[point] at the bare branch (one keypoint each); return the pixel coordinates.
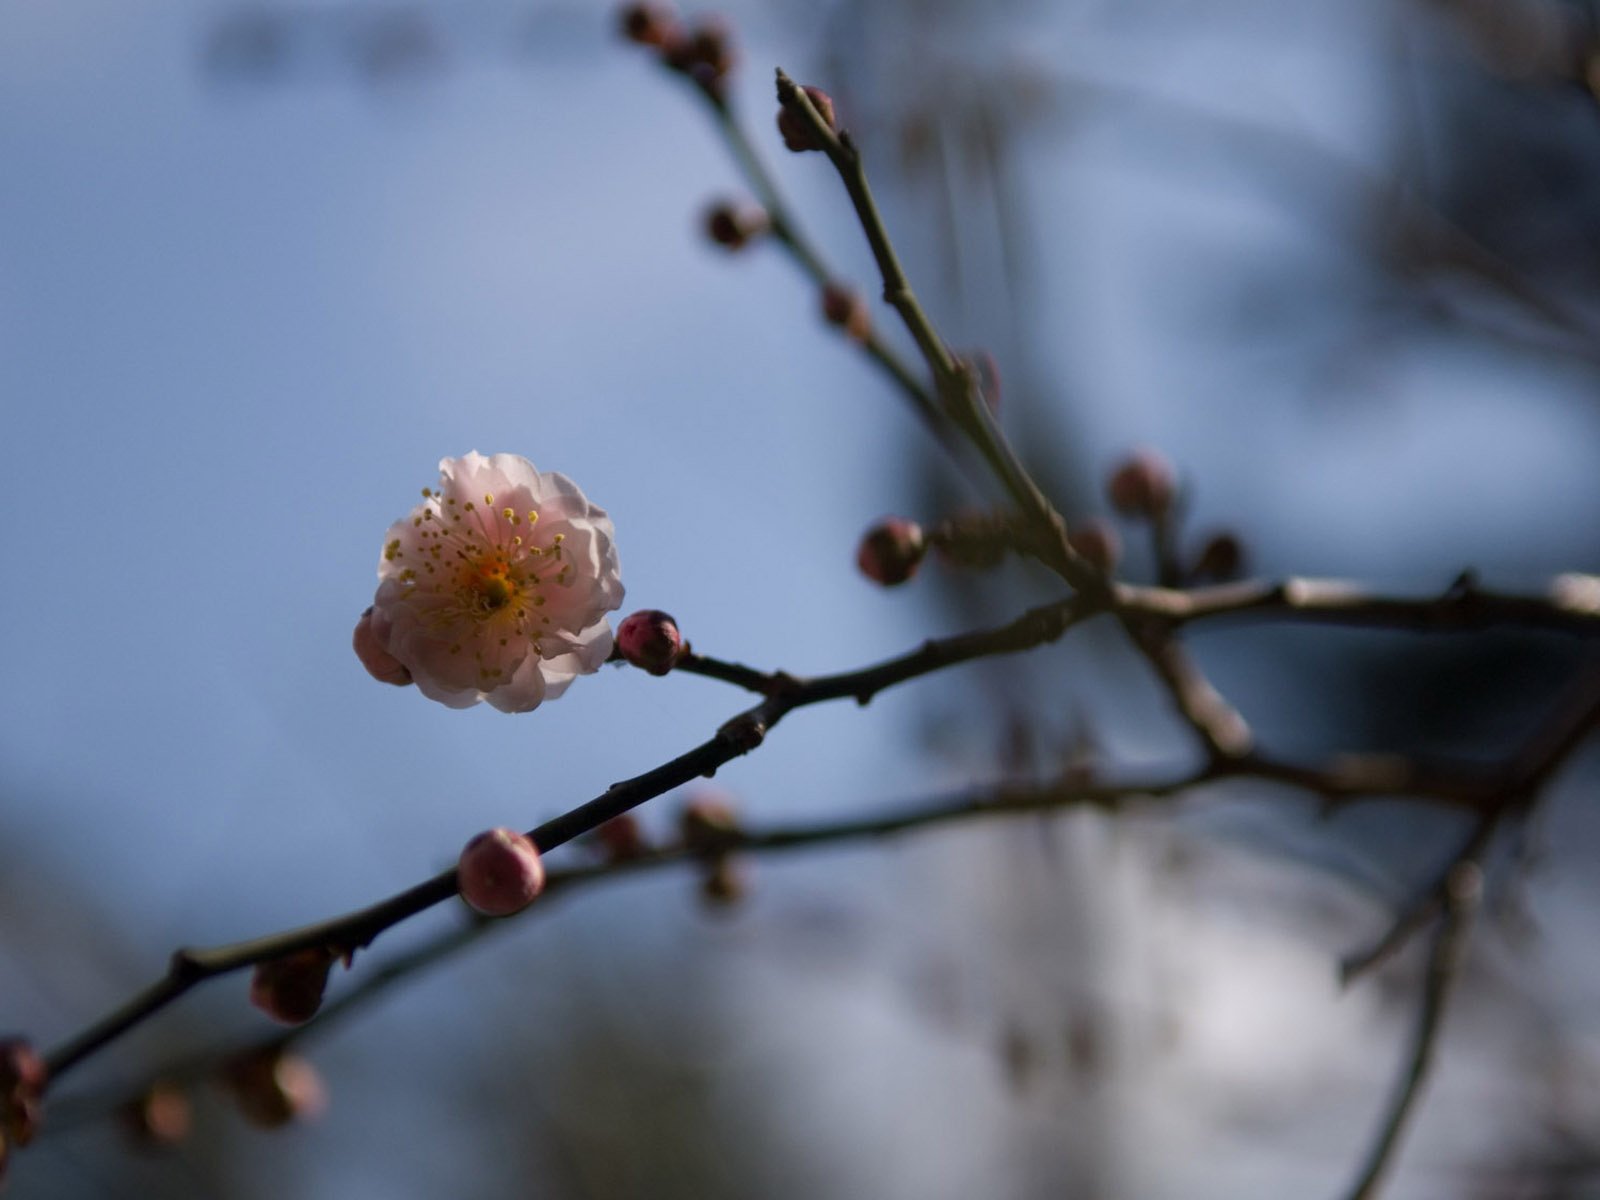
(738, 736)
(1463, 894)
(1571, 604)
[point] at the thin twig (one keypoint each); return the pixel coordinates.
(1424, 907)
(1217, 724)
(1571, 604)
(748, 678)
(1506, 792)
(786, 228)
(1460, 608)
(1455, 898)
(1462, 898)
(1223, 731)
(955, 388)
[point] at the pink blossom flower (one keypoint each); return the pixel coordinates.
(496, 586)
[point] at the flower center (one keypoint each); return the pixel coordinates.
(493, 586)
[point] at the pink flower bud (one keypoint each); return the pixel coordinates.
(1143, 485)
(706, 55)
(844, 308)
(1221, 558)
(891, 551)
(732, 226)
(621, 839)
(1097, 541)
(161, 1117)
(500, 872)
(649, 639)
(724, 884)
(23, 1076)
(273, 1088)
(708, 823)
(289, 989)
(649, 24)
(797, 135)
(375, 657)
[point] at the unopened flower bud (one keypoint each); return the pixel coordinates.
(797, 135)
(1097, 541)
(500, 872)
(1143, 485)
(844, 308)
(161, 1117)
(732, 225)
(708, 823)
(706, 55)
(621, 838)
(375, 657)
(891, 551)
(289, 989)
(1221, 558)
(724, 883)
(273, 1088)
(713, 44)
(649, 24)
(649, 639)
(23, 1076)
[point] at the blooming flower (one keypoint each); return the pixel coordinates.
(496, 586)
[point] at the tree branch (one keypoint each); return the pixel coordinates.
(743, 733)
(1463, 895)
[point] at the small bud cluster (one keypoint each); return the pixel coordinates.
(23, 1076)
(892, 550)
(1144, 487)
(650, 640)
(702, 52)
(796, 133)
(500, 872)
